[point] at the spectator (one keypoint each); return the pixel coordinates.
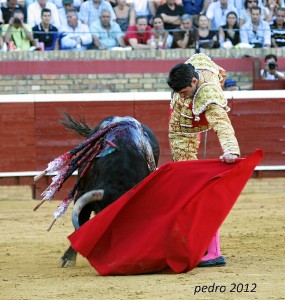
(245, 15)
(217, 12)
(231, 85)
(18, 32)
(106, 33)
(145, 8)
(171, 14)
(270, 10)
(186, 37)
(139, 36)
(90, 11)
(230, 31)
(67, 5)
(256, 32)
(75, 4)
(75, 36)
(35, 10)
(270, 71)
(162, 38)
(195, 8)
(278, 29)
(9, 7)
(45, 32)
(206, 38)
(125, 15)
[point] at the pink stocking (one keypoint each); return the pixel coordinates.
(214, 250)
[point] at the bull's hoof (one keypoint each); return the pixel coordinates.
(68, 259)
(66, 263)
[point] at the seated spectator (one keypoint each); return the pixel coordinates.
(230, 31)
(187, 35)
(139, 35)
(125, 15)
(75, 4)
(9, 7)
(270, 9)
(67, 4)
(18, 32)
(206, 38)
(145, 8)
(195, 8)
(75, 36)
(270, 71)
(171, 14)
(217, 12)
(107, 34)
(231, 85)
(35, 10)
(45, 32)
(245, 15)
(90, 11)
(256, 32)
(278, 29)
(162, 38)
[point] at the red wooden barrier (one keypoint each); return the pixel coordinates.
(31, 134)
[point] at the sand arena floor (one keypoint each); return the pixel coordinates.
(252, 239)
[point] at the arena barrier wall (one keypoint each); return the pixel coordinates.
(31, 134)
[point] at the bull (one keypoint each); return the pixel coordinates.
(130, 153)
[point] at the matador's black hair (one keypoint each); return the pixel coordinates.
(181, 76)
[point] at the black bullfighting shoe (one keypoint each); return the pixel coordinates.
(216, 262)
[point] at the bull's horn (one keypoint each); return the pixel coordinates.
(94, 195)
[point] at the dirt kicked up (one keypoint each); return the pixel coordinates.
(252, 240)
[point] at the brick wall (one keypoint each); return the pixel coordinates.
(92, 82)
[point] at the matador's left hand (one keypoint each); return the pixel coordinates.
(228, 158)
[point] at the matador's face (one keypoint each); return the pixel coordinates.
(189, 91)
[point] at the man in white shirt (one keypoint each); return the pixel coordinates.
(90, 11)
(217, 13)
(256, 32)
(67, 4)
(35, 11)
(74, 36)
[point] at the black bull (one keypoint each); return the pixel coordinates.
(132, 154)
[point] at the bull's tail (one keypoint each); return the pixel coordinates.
(78, 126)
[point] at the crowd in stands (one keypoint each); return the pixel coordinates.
(141, 24)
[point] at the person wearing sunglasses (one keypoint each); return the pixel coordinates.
(245, 15)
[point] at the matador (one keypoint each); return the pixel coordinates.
(198, 104)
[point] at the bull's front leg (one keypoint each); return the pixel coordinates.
(68, 259)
